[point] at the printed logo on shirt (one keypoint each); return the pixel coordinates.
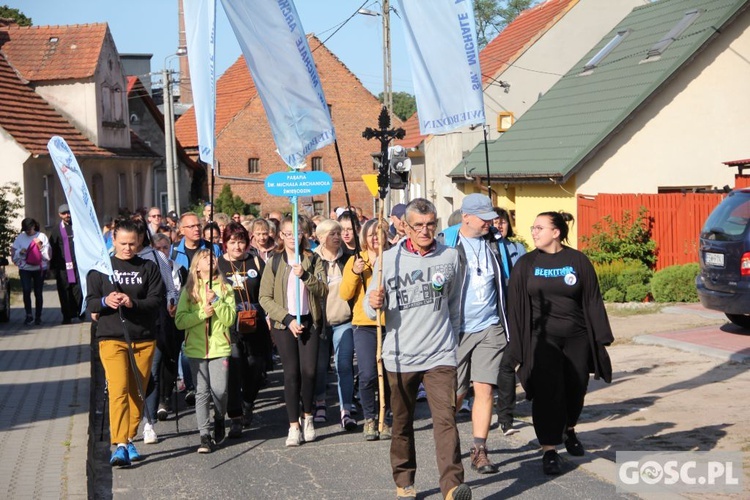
(414, 289)
(559, 272)
(237, 279)
(128, 278)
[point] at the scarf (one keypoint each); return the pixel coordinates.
(69, 267)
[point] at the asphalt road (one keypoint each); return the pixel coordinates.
(339, 465)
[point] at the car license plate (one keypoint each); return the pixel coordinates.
(714, 259)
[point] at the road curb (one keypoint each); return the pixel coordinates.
(732, 357)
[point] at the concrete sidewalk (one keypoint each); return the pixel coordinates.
(45, 374)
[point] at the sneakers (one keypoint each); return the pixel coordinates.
(319, 415)
(406, 493)
(421, 393)
(162, 413)
(133, 453)
(386, 434)
(220, 429)
(507, 429)
(207, 445)
(370, 430)
(551, 463)
(235, 428)
(480, 462)
(347, 422)
(38, 321)
(120, 457)
(29, 320)
(190, 398)
(460, 492)
(572, 444)
(308, 429)
(149, 434)
(294, 438)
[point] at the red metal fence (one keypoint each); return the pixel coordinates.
(677, 219)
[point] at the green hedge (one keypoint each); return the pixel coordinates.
(675, 283)
(623, 276)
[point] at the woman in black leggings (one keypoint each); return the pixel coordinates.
(297, 341)
(558, 326)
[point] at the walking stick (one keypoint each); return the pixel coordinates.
(136, 373)
(104, 409)
(384, 134)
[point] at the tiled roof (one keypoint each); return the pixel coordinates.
(31, 121)
(737, 163)
(579, 114)
(519, 35)
(54, 52)
(413, 138)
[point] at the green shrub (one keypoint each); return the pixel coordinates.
(637, 292)
(675, 284)
(614, 295)
(607, 274)
(635, 272)
(612, 241)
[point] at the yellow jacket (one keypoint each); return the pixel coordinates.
(351, 288)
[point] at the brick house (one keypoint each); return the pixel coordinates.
(245, 150)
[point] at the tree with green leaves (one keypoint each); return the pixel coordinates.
(15, 14)
(10, 206)
(492, 16)
(404, 104)
(229, 203)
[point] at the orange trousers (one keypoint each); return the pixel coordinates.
(125, 404)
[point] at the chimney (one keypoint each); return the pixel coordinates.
(186, 90)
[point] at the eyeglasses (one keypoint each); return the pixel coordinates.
(289, 235)
(430, 226)
(158, 216)
(191, 226)
(536, 229)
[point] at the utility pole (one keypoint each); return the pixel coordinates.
(387, 78)
(168, 138)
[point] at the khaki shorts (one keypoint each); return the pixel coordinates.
(479, 356)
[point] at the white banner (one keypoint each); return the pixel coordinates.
(283, 70)
(200, 31)
(91, 252)
(441, 40)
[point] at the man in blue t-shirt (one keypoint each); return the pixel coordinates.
(483, 334)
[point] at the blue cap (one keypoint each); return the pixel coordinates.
(479, 205)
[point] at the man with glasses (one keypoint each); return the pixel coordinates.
(183, 252)
(484, 327)
(154, 220)
(421, 296)
(64, 268)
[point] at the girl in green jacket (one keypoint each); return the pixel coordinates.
(206, 313)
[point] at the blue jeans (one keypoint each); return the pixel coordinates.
(343, 358)
(321, 366)
(365, 343)
(29, 280)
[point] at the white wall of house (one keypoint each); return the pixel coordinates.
(681, 137)
(534, 72)
(13, 156)
(76, 101)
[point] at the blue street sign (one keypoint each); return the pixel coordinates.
(298, 183)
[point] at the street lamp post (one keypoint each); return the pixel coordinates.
(387, 77)
(170, 143)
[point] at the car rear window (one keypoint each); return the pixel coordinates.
(729, 219)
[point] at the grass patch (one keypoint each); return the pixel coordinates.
(633, 309)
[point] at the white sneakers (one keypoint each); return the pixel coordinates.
(308, 427)
(305, 433)
(149, 434)
(294, 438)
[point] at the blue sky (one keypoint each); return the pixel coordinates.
(150, 26)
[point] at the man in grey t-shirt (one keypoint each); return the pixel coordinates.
(421, 299)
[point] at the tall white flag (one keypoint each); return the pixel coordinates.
(276, 51)
(200, 30)
(441, 39)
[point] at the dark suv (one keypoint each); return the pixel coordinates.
(724, 280)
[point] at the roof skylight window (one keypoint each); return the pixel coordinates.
(616, 40)
(659, 47)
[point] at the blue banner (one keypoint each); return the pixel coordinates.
(91, 252)
(441, 39)
(200, 31)
(276, 51)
